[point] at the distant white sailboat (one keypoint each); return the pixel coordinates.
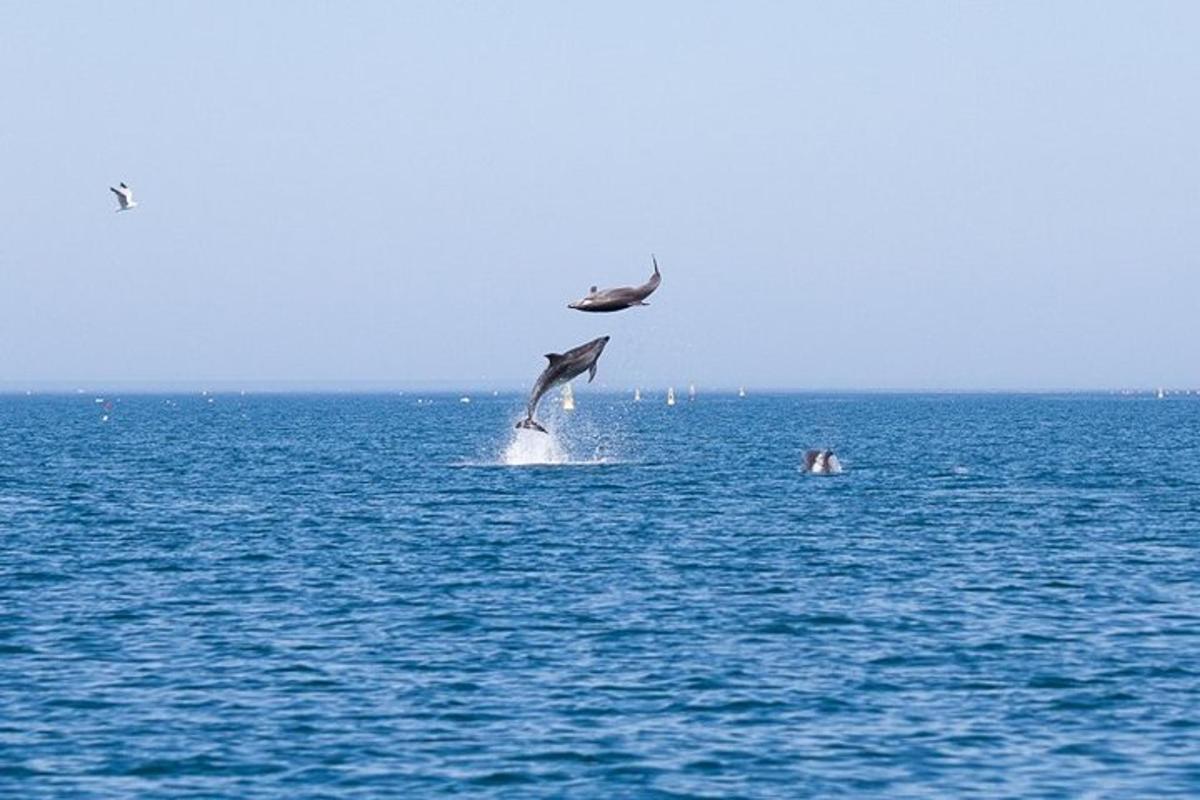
(741, 391)
(1161, 395)
(568, 398)
(691, 392)
(637, 395)
(671, 396)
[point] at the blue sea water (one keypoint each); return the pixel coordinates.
(359, 596)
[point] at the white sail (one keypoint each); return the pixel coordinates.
(741, 391)
(691, 392)
(637, 395)
(671, 396)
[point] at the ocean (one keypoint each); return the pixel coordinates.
(363, 596)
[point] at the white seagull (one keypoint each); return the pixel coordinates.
(124, 197)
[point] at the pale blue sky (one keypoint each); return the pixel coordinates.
(886, 195)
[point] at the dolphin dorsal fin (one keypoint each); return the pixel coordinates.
(554, 357)
(593, 290)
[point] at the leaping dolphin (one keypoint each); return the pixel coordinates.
(562, 368)
(619, 298)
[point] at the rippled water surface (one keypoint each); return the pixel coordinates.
(358, 596)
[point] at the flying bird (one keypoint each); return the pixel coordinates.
(124, 197)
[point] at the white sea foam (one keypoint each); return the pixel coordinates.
(530, 447)
(573, 440)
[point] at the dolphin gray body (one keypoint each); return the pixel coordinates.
(562, 368)
(821, 462)
(621, 297)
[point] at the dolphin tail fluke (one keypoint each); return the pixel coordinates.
(529, 424)
(655, 279)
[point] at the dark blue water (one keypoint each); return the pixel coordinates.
(284, 597)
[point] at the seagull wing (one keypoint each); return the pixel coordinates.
(124, 195)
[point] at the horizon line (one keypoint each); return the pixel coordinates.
(365, 387)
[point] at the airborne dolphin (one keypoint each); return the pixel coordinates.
(620, 298)
(562, 368)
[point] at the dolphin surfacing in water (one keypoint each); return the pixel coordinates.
(821, 462)
(562, 368)
(620, 298)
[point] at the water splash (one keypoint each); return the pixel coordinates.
(574, 439)
(530, 447)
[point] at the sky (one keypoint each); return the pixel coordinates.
(840, 195)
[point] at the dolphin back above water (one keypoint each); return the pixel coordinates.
(562, 368)
(619, 298)
(821, 462)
